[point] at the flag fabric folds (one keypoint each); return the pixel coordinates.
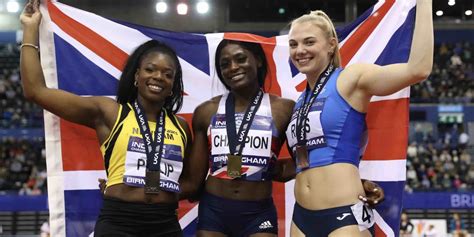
(84, 53)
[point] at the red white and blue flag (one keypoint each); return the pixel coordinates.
(84, 53)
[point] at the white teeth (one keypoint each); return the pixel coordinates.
(237, 77)
(155, 88)
(303, 60)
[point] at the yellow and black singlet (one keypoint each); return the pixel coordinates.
(124, 151)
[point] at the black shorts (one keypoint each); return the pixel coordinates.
(127, 219)
(237, 218)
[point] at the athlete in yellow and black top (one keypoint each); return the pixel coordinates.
(150, 92)
(124, 152)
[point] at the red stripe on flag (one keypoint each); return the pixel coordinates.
(279, 200)
(379, 232)
(300, 87)
(184, 207)
(268, 44)
(79, 147)
(358, 38)
(387, 122)
(98, 44)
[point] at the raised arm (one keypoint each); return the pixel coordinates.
(385, 80)
(96, 112)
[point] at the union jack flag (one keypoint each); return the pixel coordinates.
(84, 53)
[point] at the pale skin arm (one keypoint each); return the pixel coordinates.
(98, 113)
(365, 80)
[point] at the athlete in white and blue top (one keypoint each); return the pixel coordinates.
(261, 146)
(327, 134)
(239, 205)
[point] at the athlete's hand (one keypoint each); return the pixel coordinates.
(31, 16)
(102, 185)
(374, 193)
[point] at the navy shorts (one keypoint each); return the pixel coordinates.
(127, 219)
(321, 223)
(237, 218)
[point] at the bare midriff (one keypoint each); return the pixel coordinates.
(239, 189)
(135, 194)
(328, 186)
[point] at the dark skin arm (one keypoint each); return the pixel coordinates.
(198, 163)
(374, 193)
(281, 112)
(98, 113)
(187, 168)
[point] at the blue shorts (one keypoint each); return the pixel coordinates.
(236, 218)
(321, 223)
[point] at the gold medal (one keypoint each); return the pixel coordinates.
(152, 182)
(234, 166)
(302, 156)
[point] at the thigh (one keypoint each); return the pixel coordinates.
(263, 235)
(349, 230)
(106, 228)
(208, 233)
(366, 233)
(295, 231)
(169, 229)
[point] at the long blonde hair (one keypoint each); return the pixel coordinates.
(321, 20)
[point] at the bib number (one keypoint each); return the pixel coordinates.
(363, 215)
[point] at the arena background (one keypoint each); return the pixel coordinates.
(440, 173)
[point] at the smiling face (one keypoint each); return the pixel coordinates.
(311, 49)
(155, 77)
(239, 67)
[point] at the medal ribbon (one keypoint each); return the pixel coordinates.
(237, 141)
(153, 147)
(302, 113)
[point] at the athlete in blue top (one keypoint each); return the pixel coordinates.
(327, 129)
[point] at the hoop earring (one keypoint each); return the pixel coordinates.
(171, 94)
(135, 83)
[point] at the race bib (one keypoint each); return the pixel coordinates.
(363, 215)
(314, 131)
(135, 165)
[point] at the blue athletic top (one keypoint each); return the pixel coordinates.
(337, 133)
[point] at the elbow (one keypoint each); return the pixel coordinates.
(419, 77)
(421, 74)
(421, 69)
(29, 96)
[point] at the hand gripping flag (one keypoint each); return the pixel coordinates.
(84, 53)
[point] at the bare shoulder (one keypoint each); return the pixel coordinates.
(203, 112)
(282, 108)
(108, 106)
(281, 104)
(183, 122)
(354, 72)
(207, 106)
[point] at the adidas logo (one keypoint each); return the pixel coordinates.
(265, 225)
